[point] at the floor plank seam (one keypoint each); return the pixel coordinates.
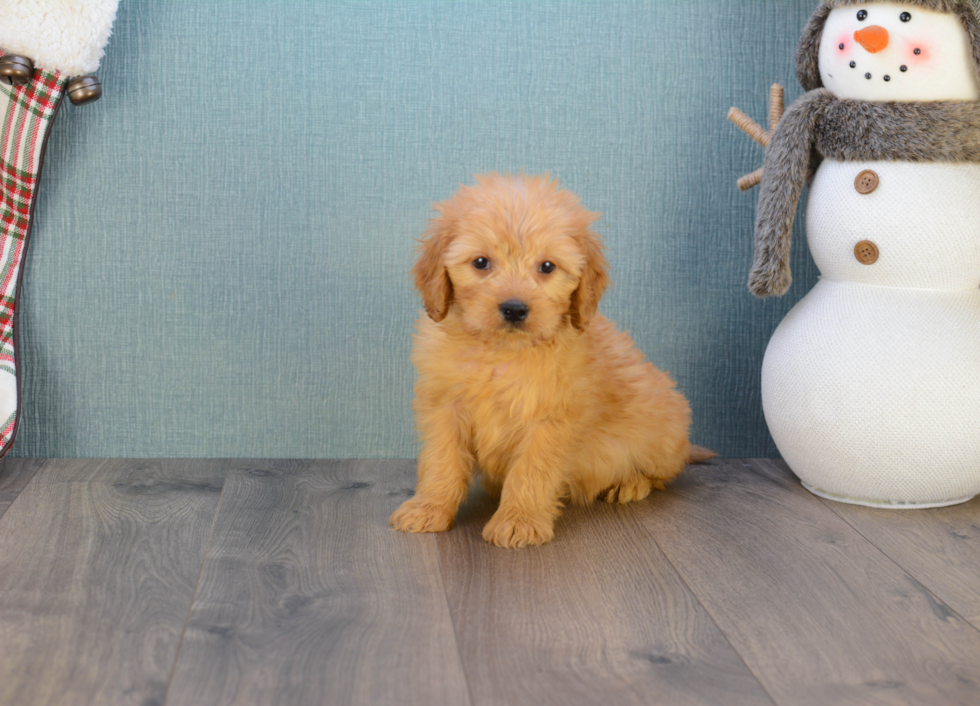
(636, 520)
(197, 585)
(452, 621)
(832, 506)
(3, 510)
(907, 572)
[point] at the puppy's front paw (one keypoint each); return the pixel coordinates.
(417, 515)
(512, 529)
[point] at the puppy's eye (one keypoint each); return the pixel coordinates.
(863, 15)
(481, 263)
(547, 267)
(905, 17)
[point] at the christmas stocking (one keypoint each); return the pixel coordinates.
(43, 44)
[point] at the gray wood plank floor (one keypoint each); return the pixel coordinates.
(98, 565)
(278, 582)
(307, 598)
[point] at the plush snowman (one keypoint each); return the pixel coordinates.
(871, 384)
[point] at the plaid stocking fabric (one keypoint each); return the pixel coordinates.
(28, 112)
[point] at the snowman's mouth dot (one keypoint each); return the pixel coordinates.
(903, 68)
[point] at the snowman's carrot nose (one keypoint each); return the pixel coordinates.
(873, 38)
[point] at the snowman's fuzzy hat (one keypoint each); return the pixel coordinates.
(807, 68)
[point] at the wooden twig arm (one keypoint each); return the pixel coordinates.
(749, 126)
(777, 106)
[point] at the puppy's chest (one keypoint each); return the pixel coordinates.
(503, 393)
(503, 407)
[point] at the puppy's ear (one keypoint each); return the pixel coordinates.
(431, 278)
(594, 280)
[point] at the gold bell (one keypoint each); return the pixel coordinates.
(84, 89)
(15, 70)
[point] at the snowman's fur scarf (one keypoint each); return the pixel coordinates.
(807, 68)
(67, 36)
(785, 171)
(941, 131)
(819, 125)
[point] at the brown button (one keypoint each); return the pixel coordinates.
(866, 182)
(866, 252)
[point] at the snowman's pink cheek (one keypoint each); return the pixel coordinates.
(917, 54)
(843, 44)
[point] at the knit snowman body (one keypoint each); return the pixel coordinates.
(924, 219)
(871, 384)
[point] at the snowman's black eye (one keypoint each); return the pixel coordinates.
(905, 17)
(481, 263)
(863, 15)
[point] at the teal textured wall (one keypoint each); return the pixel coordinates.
(220, 255)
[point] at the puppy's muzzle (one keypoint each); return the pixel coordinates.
(514, 311)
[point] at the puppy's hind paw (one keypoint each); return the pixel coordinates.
(512, 530)
(634, 488)
(421, 516)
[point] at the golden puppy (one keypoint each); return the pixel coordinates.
(520, 377)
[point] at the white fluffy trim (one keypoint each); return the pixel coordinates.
(68, 36)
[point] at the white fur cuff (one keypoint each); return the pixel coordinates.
(68, 36)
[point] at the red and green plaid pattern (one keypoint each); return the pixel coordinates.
(27, 115)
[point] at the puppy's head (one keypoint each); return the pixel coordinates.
(515, 256)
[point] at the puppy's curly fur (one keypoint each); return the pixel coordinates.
(519, 375)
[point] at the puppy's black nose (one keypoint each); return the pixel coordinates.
(514, 311)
